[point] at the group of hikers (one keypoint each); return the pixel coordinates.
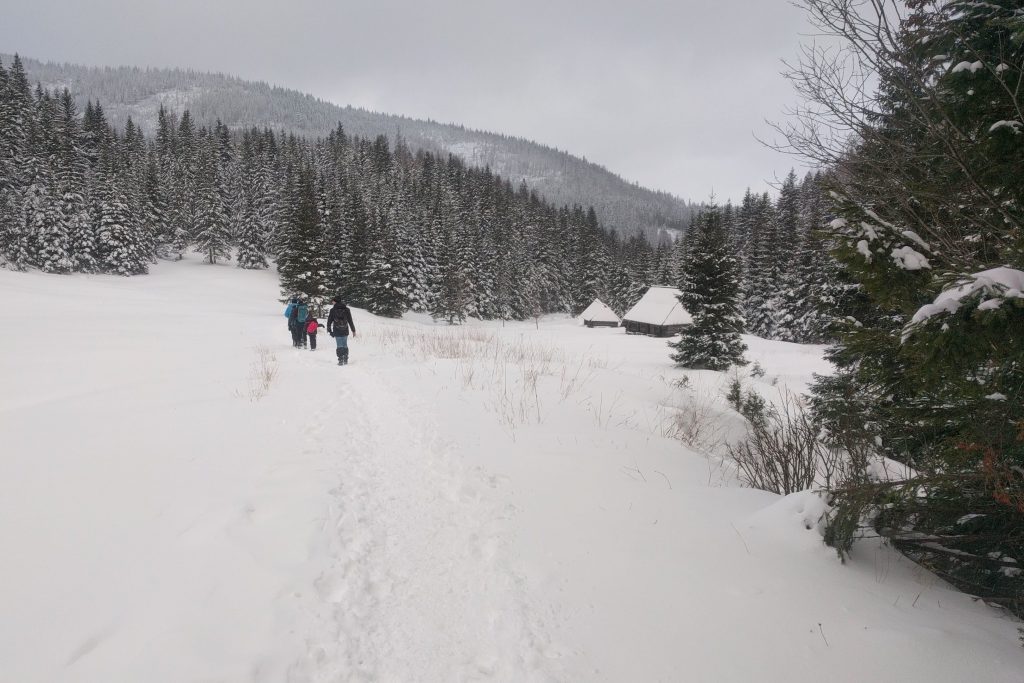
(303, 325)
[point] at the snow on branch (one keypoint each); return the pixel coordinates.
(967, 66)
(998, 284)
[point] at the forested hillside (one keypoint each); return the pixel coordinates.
(391, 229)
(559, 177)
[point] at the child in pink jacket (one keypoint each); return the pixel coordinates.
(311, 326)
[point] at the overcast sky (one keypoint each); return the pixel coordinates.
(669, 94)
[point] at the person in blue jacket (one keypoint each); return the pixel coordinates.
(298, 315)
(289, 312)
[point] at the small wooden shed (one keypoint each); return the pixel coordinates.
(598, 314)
(658, 314)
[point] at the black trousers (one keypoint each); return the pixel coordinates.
(312, 340)
(296, 339)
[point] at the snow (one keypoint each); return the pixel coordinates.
(1002, 282)
(967, 66)
(599, 312)
(864, 250)
(485, 502)
(868, 230)
(909, 259)
(990, 304)
(1014, 126)
(659, 306)
(914, 237)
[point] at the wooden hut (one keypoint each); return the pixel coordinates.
(658, 314)
(598, 314)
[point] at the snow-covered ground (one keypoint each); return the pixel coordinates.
(490, 502)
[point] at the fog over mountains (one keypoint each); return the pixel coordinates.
(559, 176)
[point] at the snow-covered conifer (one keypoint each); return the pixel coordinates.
(710, 294)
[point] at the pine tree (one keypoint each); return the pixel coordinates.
(764, 274)
(454, 292)
(250, 229)
(71, 184)
(710, 294)
(212, 236)
(926, 204)
(43, 241)
(154, 212)
(784, 302)
(251, 239)
(120, 245)
(385, 295)
(184, 186)
(820, 286)
(303, 271)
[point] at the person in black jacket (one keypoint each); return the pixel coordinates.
(339, 320)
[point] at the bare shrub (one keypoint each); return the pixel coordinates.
(604, 411)
(786, 450)
(782, 450)
(573, 380)
(262, 372)
(696, 424)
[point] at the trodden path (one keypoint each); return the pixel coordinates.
(415, 583)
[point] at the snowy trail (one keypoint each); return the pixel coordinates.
(416, 586)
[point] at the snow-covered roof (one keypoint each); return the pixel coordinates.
(659, 306)
(600, 313)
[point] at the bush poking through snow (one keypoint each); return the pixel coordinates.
(262, 372)
(696, 424)
(784, 451)
(781, 451)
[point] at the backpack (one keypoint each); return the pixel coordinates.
(303, 313)
(288, 310)
(340, 323)
(311, 327)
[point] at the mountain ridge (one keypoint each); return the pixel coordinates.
(559, 176)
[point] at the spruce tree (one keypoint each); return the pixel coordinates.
(120, 245)
(71, 184)
(154, 212)
(927, 224)
(250, 230)
(384, 293)
(304, 271)
(764, 274)
(710, 294)
(212, 236)
(784, 302)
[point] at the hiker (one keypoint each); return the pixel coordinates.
(299, 317)
(289, 312)
(339, 320)
(311, 331)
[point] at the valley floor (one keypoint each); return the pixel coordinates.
(184, 497)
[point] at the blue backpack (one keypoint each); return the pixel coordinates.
(303, 314)
(288, 310)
